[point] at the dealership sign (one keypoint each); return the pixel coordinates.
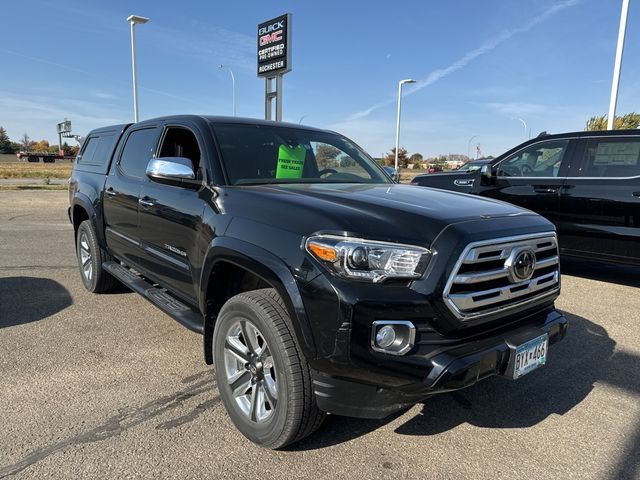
(274, 46)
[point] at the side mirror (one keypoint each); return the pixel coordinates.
(177, 171)
(486, 175)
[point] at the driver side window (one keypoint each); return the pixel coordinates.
(332, 160)
(539, 160)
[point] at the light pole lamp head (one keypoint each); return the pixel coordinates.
(407, 80)
(137, 19)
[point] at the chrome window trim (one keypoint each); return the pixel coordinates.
(491, 311)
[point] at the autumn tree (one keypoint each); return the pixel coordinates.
(621, 122)
(327, 156)
(69, 151)
(41, 146)
(403, 159)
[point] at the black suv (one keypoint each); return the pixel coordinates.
(317, 283)
(586, 183)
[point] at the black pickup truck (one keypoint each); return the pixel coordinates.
(318, 284)
(586, 183)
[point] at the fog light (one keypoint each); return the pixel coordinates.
(385, 336)
(395, 337)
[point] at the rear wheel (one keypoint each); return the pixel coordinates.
(90, 260)
(263, 378)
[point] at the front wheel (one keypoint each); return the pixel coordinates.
(90, 259)
(263, 378)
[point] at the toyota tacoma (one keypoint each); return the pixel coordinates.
(318, 285)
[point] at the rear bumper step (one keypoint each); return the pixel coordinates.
(162, 299)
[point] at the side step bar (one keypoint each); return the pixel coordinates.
(162, 299)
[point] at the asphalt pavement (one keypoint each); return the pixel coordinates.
(107, 386)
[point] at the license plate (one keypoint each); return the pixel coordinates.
(530, 355)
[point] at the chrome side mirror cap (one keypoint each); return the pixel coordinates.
(176, 171)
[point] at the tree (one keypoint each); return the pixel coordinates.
(6, 145)
(416, 159)
(70, 151)
(326, 156)
(41, 146)
(403, 160)
(25, 143)
(628, 121)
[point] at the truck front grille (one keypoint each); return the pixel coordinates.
(503, 273)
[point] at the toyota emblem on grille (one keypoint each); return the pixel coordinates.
(521, 264)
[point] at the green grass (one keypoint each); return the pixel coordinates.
(35, 170)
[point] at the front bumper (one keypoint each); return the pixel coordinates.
(451, 368)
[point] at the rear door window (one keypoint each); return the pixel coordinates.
(611, 158)
(137, 152)
(88, 150)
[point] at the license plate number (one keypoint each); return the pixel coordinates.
(530, 355)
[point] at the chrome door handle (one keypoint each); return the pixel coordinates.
(545, 190)
(145, 203)
(110, 192)
(636, 194)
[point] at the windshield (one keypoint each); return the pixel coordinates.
(257, 154)
(471, 167)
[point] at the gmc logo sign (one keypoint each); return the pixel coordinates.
(271, 38)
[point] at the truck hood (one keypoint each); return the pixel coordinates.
(400, 213)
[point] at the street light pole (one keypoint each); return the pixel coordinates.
(469, 146)
(617, 65)
(400, 83)
(233, 86)
(133, 20)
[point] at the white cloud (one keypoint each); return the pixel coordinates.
(520, 108)
(484, 48)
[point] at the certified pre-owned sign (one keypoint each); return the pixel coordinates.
(274, 46)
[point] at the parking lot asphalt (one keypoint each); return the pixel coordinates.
(107, 386)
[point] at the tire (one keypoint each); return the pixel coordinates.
(90, 260)
(274, 404)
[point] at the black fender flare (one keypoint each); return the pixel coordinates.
(82, 200)
(269, 268)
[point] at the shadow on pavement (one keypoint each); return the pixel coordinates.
(605, 272)
(29, 299)
(584, 357)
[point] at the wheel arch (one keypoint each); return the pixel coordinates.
(270, 270)
(82, 209)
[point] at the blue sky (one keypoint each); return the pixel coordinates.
(481, 65)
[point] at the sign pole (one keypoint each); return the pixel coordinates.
(279, 79)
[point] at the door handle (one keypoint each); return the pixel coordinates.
(636, 194)
(146, 202)
(110, 192)
(545, 189)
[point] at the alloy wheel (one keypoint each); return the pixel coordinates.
(85, 257)
(250, 371)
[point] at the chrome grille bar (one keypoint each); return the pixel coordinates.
(476, 288)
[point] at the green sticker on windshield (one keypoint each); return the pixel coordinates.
(290, 161)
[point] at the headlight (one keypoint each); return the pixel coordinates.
(368, 260)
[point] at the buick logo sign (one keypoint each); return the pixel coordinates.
(521, 264)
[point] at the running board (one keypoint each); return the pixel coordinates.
(162, 299)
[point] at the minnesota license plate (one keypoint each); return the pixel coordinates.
(530, 355)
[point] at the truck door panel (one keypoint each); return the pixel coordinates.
(122, 193)
(600, 204)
